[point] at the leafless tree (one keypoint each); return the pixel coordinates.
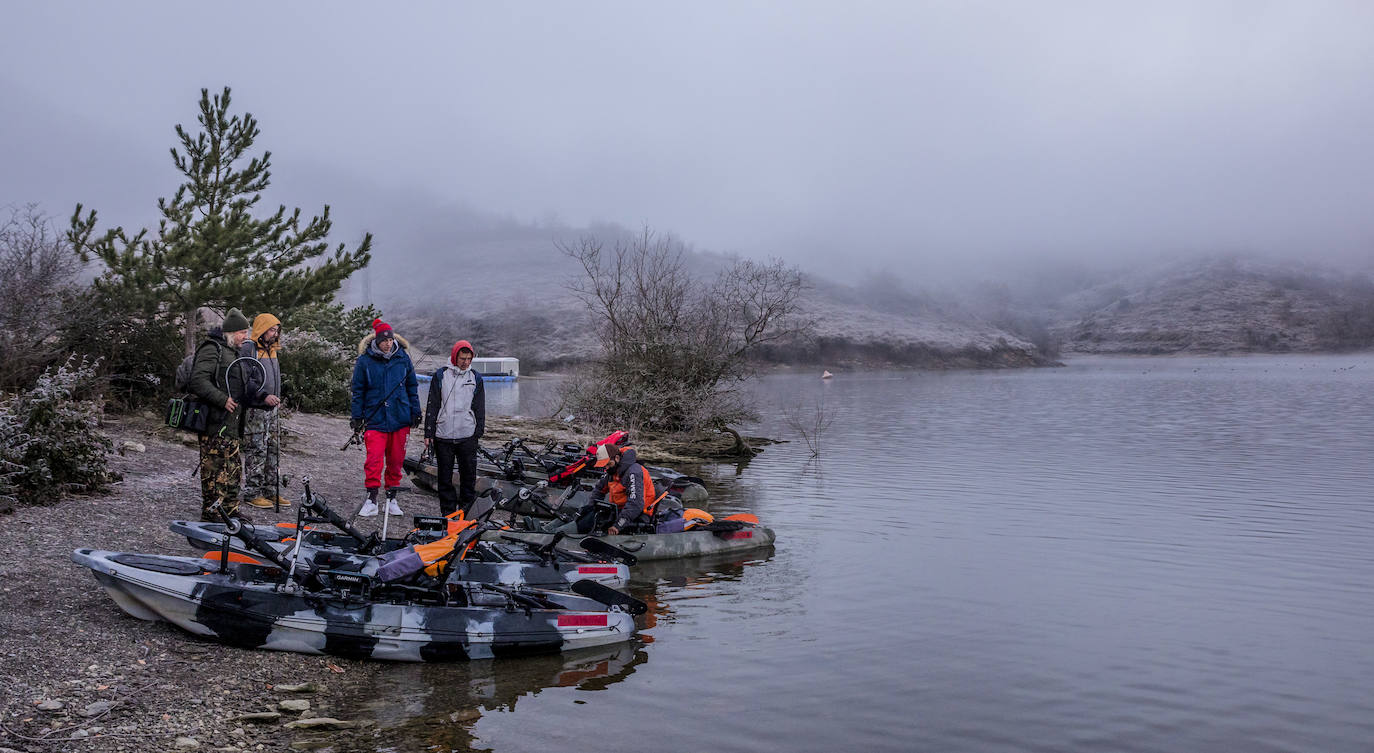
(38, 273)
(810, 423)
(675, 345)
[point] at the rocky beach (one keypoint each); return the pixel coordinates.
(78, 674)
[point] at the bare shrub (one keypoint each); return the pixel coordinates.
(137, 351)
(675, 347)
(810, 422)
(38, 276)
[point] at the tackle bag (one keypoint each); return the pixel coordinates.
(187, 413)
(672, 524)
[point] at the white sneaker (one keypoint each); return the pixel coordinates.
(392, 508)
(369, 509)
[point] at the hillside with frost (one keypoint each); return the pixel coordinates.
(1220, 306)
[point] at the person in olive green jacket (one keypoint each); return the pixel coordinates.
(221, 463)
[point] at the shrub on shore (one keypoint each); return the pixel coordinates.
(51, 444)
(318, 351)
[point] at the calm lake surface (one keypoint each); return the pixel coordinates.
(1126, 554)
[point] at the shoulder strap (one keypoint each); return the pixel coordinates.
(219, 356)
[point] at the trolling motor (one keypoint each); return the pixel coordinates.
(236, 527)
(322, 513)
(557, 509)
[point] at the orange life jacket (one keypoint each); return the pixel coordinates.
(435, 551)
(616, 492)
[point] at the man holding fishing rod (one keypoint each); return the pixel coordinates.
(385, 406)
(229, 386)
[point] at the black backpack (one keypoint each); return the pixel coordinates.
(188, 411)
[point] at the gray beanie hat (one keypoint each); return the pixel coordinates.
(234, 321)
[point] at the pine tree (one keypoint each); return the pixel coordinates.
(210, 250)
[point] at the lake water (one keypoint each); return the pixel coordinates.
(1170, 554)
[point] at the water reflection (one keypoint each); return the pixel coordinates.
(663, 583)
(435, 706)
(696, 571)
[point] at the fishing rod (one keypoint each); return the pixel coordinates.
(358, 432)
(243, 385)
(276, 451)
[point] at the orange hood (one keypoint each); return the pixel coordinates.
(262, 323)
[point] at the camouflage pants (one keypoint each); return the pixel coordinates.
(221, 465)
(260, 454)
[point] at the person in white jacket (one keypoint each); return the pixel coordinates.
(455, 418)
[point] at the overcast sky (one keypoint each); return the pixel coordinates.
(843, 135)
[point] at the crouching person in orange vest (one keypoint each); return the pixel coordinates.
(628, 485)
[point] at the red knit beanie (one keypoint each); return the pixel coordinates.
(453, 356)
(379, 327)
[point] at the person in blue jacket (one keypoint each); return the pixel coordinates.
(385, 406)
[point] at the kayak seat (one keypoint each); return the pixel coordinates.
(156, 564)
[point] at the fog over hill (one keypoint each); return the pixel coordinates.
(446, 270)
(506, 286)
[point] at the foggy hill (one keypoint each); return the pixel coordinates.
(504, 285)
(511, 296)
(1219, 306)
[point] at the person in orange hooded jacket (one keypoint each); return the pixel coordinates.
(260, 451)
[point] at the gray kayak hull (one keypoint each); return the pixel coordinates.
(665, 546)
(242, 609)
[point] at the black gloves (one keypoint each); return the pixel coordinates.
(356, 424)
(415, 421)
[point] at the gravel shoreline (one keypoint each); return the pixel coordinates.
(77, 674)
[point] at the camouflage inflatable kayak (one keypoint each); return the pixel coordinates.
(351, 615)
(568, 470)
(662, 546)
(337, 544)
(506, 563)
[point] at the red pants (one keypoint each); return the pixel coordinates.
(388, 447)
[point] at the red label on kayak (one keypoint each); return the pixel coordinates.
(582, 620)
(596, 570)
(739, 535)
